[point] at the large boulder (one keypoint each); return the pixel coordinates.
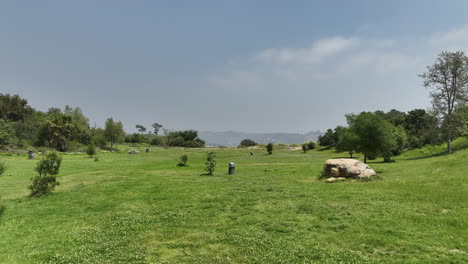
(348, 168)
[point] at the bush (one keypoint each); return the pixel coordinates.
(47, 168)
(3, 167)
(269, 148)
(305, 147)
(100, 141)
(311, 145)
(96, 158)
(210, 163)
(91, 150)
(183, 161)
(247, 143)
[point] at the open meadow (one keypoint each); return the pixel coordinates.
(144, 209)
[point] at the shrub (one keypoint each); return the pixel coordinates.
(305, 147)
(311, 145)
(3, 167)
(269, 148)
(247, 143)
(91, 150)
(183, 161)
(96, 158)
(210, 163)
(47, 168)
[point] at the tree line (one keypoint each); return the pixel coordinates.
(64, 130)
(387, 134)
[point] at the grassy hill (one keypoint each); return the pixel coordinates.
(144, 209)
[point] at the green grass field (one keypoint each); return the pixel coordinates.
(144, 209)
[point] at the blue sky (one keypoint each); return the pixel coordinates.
(255, 66)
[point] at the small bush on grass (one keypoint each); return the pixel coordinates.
(210, 163)
(96, 158)
(47, 168)
(305, 147)
(183, 161)
(91, 150)
(269, 148)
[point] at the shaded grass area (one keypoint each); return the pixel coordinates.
(145, 209)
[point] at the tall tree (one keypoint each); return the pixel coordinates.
(448, 80)
(113, 131)
(156, 127)
(141, 128)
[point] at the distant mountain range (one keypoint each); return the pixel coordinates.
(233, 138)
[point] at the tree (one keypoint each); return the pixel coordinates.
(210, 163)
(141, 129)
(311, 145)
(348, 142)
(113, 131)
(448, 80)
(269, 148)
(59, 128)
(7, 133)
(422, 128)
(156, 127)
(305, 147)
(13, 107)
(248, 143)
(328, 139)
(374, 134)
(461, 119)
(184, 138)
(47, 168)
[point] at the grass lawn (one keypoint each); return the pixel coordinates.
(144, 209)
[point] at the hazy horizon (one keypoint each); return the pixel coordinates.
(256, 67)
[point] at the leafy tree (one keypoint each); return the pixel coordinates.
(183, 161)
(311, 145)
(269, 148)
(305, 147)
(47, 168)
(59, 128)
(77, 116)
(141, 129)
(30, 127)
(7, 133)
(348, 142)
(248, 143)
(422, 128)
(113, 131)
(184, 138)
(461, 120)
(328, 139)
(374, 135)
(448, 80)
(156, 127)
(13, 108)
(210, 163)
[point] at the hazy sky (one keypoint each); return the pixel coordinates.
(255, 66)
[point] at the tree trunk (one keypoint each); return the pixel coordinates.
(449, 145)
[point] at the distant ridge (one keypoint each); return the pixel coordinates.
(233, 138)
